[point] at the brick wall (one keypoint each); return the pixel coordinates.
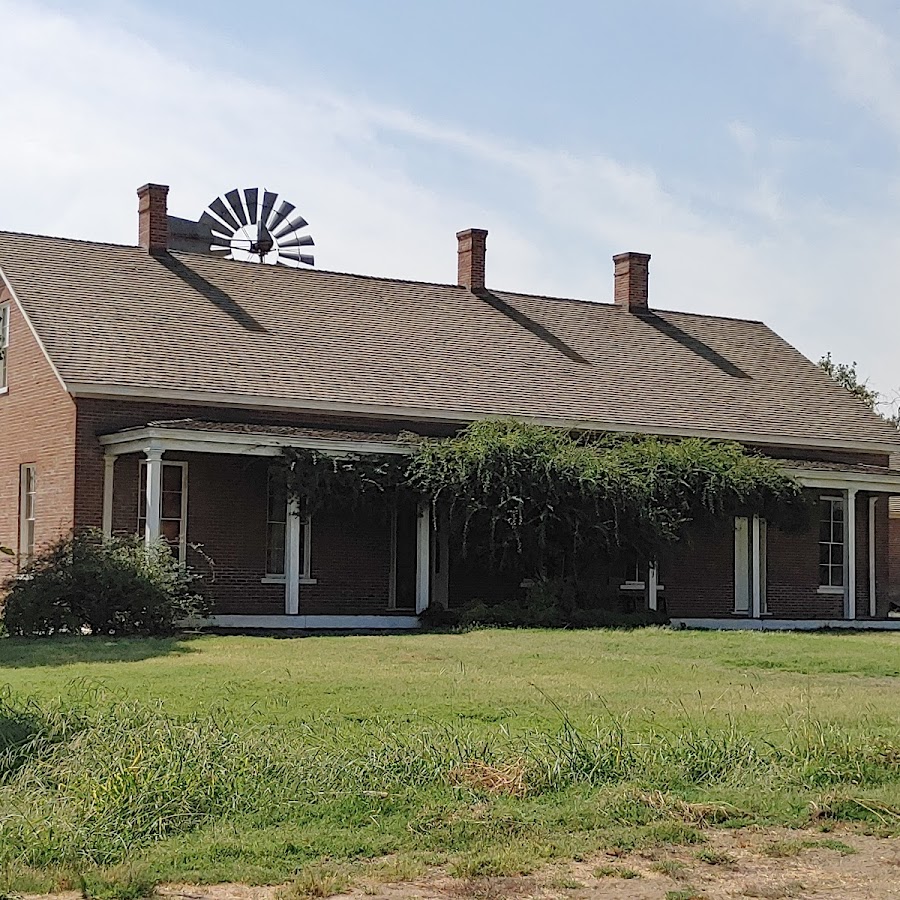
(349, 554)
(37, 425)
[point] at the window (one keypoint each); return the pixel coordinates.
(27, 493)
(281, 528)
(173, 506)
(4, 344)
(276, 527)
(831, 544)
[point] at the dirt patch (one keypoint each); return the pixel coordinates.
(770, 864)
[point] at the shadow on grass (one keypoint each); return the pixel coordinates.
(64, 651)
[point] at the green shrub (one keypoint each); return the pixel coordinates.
(115, 585)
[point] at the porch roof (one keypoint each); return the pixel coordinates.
(246, 439)
(254, 439)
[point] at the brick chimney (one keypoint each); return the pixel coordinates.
(632, 275)
(472, 250)
(153, 219)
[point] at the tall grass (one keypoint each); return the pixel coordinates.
(91, 781)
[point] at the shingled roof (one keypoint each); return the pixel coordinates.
(118, 320)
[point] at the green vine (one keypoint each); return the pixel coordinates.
(547, 495)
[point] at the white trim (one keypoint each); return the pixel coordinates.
(373, 622)
(223, 398)
(184, 439)
(653, 587)
(5, 326)
(873, 593)
(153, 492)
(837, 481)
(837, 590)
(109, 476)
(850, 552)
(423, 557)
(32, 329)
(745, 624)
(25, 553)
(292, 567)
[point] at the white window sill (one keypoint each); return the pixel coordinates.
(280, 579)
(828, 589)
(4, 390)
(638, 586)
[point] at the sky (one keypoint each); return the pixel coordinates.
(750, 146)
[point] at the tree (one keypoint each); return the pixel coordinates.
(846, 375)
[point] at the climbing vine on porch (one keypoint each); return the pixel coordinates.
(546, 495)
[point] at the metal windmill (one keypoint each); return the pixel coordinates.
(247, 226)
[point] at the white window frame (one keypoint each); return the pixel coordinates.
(5, 316)
(834, 588)
(295, 520)
(183, 519)
(27, 524)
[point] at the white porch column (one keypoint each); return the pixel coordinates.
(109, 471)
(154, 495)
(756, 574)
(850, 545)
(292, 558)
(873, 594)
(653, 587)
(423, 557)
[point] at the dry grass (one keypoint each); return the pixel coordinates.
(507, 780)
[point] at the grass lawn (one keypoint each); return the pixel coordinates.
(262, 759)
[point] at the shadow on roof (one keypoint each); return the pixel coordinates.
(530, 325)
(694, 344)
(215, 295)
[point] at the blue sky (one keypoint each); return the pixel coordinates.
(751, 146)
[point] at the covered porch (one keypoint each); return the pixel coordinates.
(205, 488)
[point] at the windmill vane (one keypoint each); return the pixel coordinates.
(252, 225)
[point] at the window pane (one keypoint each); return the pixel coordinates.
(171, 505)
(277, 502)
(171, 478)
(825, 555)
(824, 575)
(838, 510)
(837, 554)
(837, 576)
(837, 533)
(171, 530)
(275, 549)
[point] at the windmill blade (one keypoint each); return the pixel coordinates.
(294, 225)
(297, 256)
(219, 241)
(304, 240)
(234, 201)
(224, 213)
(281, 214)
(251, 198)
(268, 205)
(214, 225)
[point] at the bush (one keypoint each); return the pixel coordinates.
(102, 585)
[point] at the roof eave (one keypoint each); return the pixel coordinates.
(458, 417)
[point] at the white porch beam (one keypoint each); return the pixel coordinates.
(423, 557)
(292, 558)
(153, 495)
(109, 474)
(873, 594)
(850, 546)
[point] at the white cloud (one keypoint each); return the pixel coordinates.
(93, 111)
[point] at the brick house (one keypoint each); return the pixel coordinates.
(147, 389)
